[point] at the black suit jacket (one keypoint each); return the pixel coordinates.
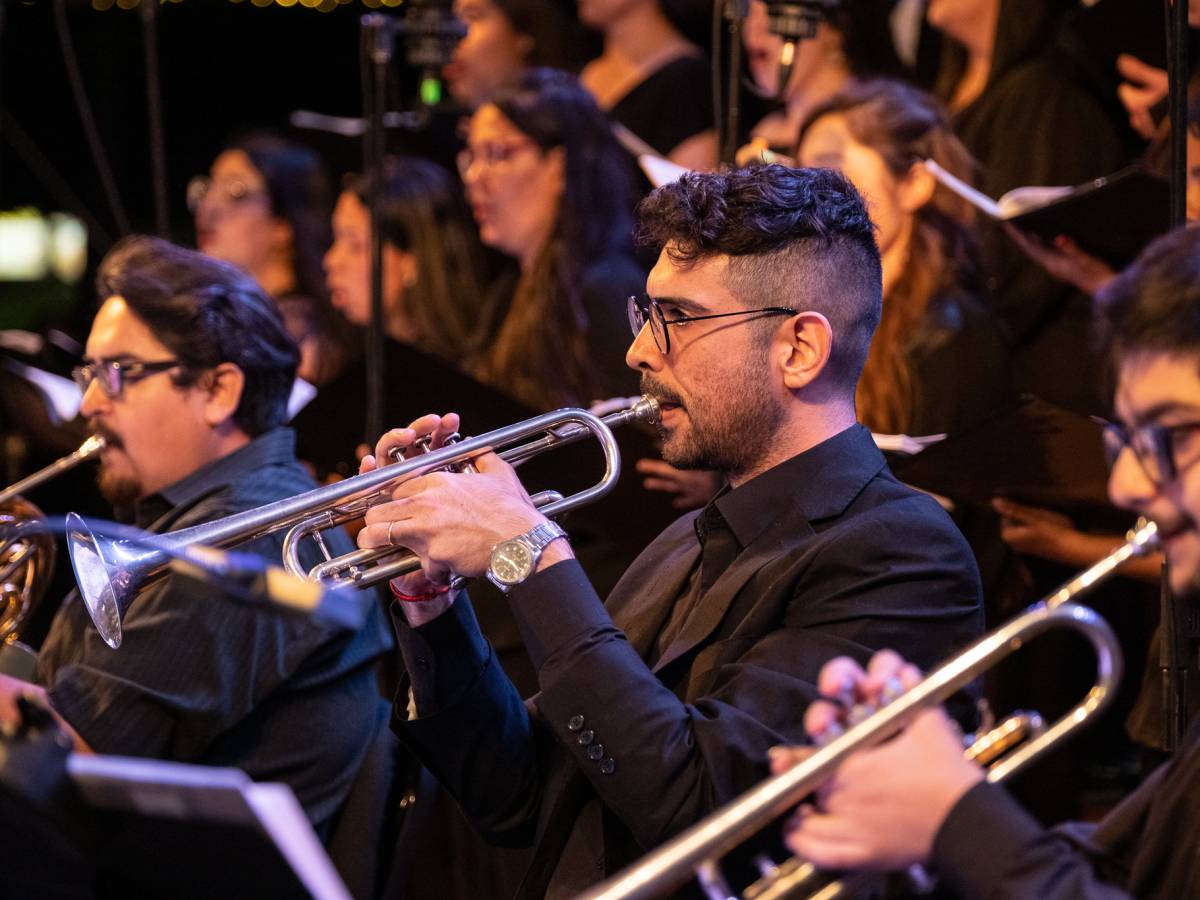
(612, 756)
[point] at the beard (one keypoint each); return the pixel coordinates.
(728, 424)
(117, 488)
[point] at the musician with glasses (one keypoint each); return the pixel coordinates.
(187, 373)
(661, 704)
(941, 813)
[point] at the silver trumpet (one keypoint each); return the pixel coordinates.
(112, 570)
(697, 851)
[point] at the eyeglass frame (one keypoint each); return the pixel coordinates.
(1157, 446)
(466, 157)
(123, 372)
(646, 308)
(199, 187)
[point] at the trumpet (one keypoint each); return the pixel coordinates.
(697, 850)
(112, 570)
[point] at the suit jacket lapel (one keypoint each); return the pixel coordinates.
(712, 608)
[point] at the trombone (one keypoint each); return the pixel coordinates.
(112, 570)
(697, 850)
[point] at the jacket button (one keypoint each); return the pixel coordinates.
(575, 723)
(586, 737)
(595, 752)
(607, 766)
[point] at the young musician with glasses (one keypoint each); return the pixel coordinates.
(660, 704)
(941, 813)
(187, 374)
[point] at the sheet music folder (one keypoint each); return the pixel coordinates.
(1112, 217)
(123, 827)
(1034, 453)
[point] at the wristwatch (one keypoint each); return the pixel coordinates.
(514, 560)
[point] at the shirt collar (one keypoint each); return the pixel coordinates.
(818, 483)
(274, 447)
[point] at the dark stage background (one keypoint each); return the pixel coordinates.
(224, 67)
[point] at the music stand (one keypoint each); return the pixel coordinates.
(105, 826)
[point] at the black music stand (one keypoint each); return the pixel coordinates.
(75, 826)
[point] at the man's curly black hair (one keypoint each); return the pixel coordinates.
(798, 238)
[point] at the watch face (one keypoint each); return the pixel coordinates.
(511, 562)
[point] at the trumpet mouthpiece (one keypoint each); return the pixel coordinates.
(646, 410)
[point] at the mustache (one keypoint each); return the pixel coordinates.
(659, 391)
(109, 436)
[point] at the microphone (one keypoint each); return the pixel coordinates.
(250, 579)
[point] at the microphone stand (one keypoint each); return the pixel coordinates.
(1177, 79)
(1180, 620)
(378, 41)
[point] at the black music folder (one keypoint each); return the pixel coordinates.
(1112, 217)
(1034, 453)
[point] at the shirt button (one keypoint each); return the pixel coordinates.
(575, 724)
(607, 766)
(595, 752)
(586, 737)
(422, 663)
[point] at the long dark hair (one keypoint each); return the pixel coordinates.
(558, 40)
(299, 192)
(539, 352)
(866, 37)
(423, 213)
(904, 126)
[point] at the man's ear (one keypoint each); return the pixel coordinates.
(224, 384)
(807, 343)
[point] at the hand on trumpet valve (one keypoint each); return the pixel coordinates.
(883, 807)
(450, 520)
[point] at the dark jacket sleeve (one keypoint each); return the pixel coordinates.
(989, 847)
(461, 715)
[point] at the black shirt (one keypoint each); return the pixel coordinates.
(201, 678)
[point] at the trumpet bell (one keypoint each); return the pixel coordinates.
(107, 573)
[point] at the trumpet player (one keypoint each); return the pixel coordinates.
(661, 704)
(187, 373)
(941, 812)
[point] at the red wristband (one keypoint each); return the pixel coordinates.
(420, 598)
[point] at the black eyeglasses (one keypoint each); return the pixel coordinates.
(1157, 448)
(644, 309)
(114, 374)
